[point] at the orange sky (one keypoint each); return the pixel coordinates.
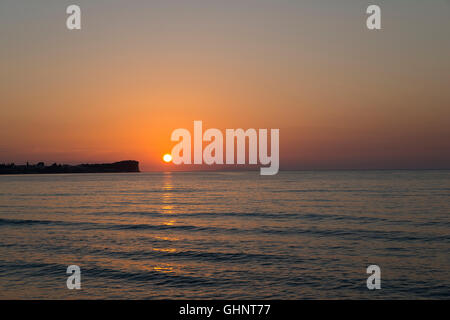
(342, 96)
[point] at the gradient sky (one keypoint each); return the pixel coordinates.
(343, 96)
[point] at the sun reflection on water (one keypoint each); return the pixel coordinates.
(167, 207)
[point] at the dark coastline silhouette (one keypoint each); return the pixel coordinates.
(40, 168)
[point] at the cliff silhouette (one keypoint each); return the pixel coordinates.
(121, 166)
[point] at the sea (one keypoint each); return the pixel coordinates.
(226, 235)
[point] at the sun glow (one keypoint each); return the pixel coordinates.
(167, 158)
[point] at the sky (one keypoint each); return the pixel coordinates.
(343, 97)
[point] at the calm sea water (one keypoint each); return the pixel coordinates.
(297, 235)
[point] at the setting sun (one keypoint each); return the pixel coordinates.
(167, 158)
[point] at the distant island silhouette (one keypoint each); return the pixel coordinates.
(39, 168)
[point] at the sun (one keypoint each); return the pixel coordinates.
(167, 158)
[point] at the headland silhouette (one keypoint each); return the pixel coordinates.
(41, 168)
